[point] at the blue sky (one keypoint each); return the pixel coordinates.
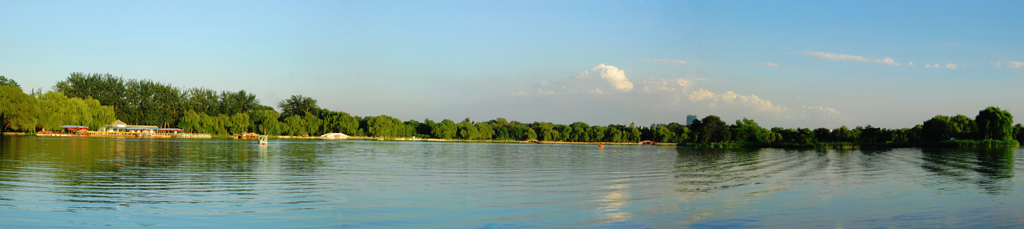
(790, 64)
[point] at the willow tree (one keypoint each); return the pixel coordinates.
(995, 123)
(18, 110)
(446, 129)
(56, 110)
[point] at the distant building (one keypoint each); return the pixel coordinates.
(690, 119)
(656, 125)
(632, 124)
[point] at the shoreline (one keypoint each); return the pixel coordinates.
(826, 145)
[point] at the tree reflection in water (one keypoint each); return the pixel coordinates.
(989, 168)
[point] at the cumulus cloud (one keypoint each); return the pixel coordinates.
(601, 79)
(667, 61)
(1009, 64)
(608, 84)
(613, 75)
(951, 66)
(732, 98)
(932, 66)
(910, 64)
(769, 64)
(844, 57)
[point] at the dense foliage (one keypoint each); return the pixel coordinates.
(144, 102)
(49, 111)
(94, 99)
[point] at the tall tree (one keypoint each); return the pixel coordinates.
(298, 105)
(995, 123)
(108, 89)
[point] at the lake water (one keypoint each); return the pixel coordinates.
(93, 182)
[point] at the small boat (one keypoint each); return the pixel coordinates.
(600, 145)
(263, 140)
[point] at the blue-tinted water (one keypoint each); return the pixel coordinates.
(92, 182)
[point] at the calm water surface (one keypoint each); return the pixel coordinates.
(92, 182)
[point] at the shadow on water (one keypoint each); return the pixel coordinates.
(989, 168)
(703, 170)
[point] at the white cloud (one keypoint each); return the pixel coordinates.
(613, 75)
(652, 85)
(667, 61)
(949, 66)
(910, 64)
(1009, 64)
(769, 64)
(820, 112)
(844, 57)
(602, 79)
(732, 98)
(605, 84)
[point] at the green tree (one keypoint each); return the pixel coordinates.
(238, 102)
(339, 122)
(190, 122)
(962, 124)
(427, 128)
(614, 133)
(201, 100)
(101, 115)
(18, 111)
(239, 123)
(564, 132)
(296, 126)
(56, 110)
(484, 131)
(710, 129)
(386, 126)
(312, 124)
(663, 134)
(579, 132)
(108, 89)
(266, 122)
(4, 81)
(446, 129)
(995, 123)
(1018, 131)
(467, 130)
(822, 135)
(937, 128)
(297, 105)
(596, 133)
(842, 134)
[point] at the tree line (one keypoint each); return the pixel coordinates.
(47, 111)
(992, 123)
(201, 110)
